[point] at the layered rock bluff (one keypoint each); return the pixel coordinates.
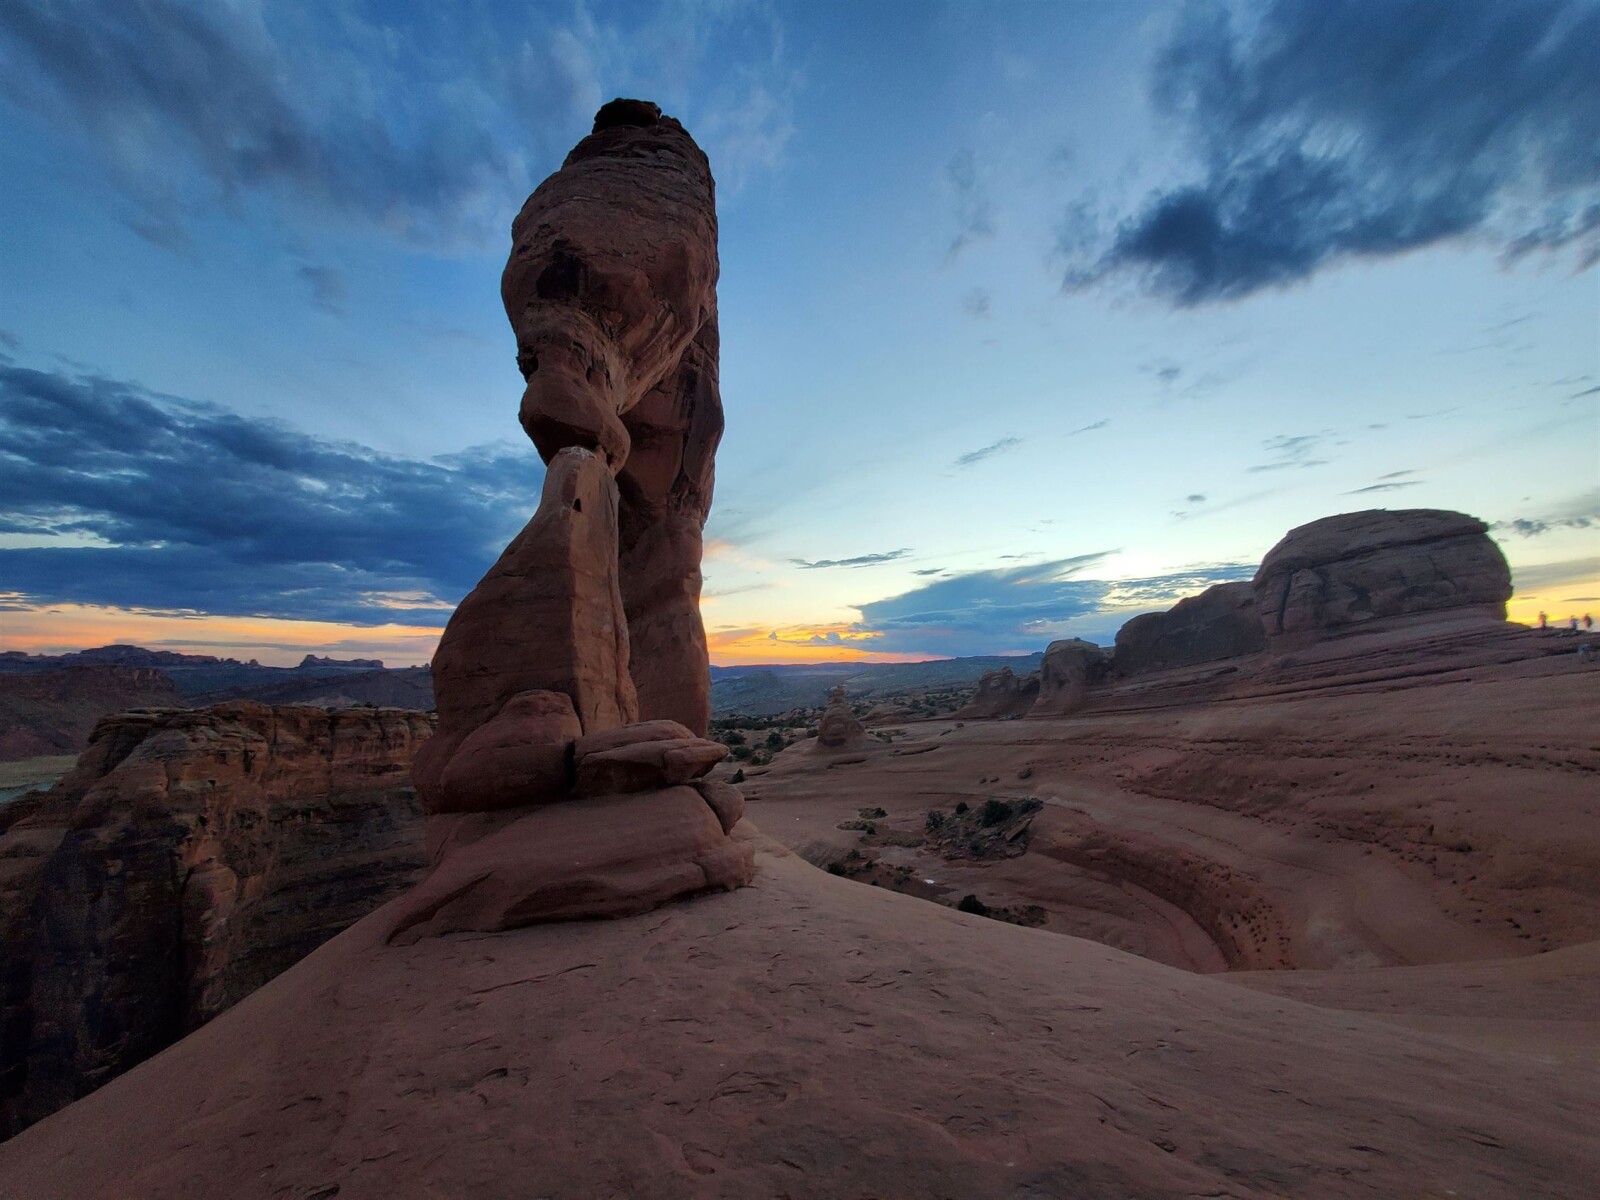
(1343, 571)
(190, 857)
(1070, 668)
(573, 685)
(1002, 693)
(840, 728)
(1220, 623)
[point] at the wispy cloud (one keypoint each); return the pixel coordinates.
(1475, 122)
(974, 213)
(976, 303)
(1293, 452)
(1100, 424)
(973, 457)
(1385, 487)
(327, 287)
(860, 560)
(1580, 512)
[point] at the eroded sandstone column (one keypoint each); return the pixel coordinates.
(568, 775)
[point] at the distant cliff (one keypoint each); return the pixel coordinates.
(52, 712)
(190, 857)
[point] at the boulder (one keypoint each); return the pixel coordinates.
(1220, 623)
(644, 765)
(1071, 667)
(1348, 570)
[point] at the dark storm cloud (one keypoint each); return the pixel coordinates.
(1014, 608)
(1334, 129)
(973, 457)
(974, 213)
(861, 560)
(206, 509)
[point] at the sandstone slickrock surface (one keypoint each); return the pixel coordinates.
(1071, 667)
(1002, 693)
(839, 728)
(549, 797)
(1222, 622)
(189, 857)
(1359, 567)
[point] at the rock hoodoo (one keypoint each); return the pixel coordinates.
(572, 684)
(839, 728)
(1002, 693)
(1220, 623)
(189, 857)
(1358, 567)
(1070, 668)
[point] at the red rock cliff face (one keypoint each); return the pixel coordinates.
(190, 857)
(53, 712)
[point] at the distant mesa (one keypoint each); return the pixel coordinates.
(344, 664)
(52, 712)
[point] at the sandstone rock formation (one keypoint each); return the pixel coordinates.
(549, 797)
(189, 857)
(1220, 623)
(1070, 668)
(1002, 693)
(839, 728)
(1355, 568)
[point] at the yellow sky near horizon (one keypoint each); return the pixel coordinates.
(62, 628)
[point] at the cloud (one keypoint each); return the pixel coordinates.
(1580, 512)
(1326, 132)
(1385, 487)
(135, 499)
(861, 560)
(1100, 424)
(974, 213)
(327, 287)
(9, 339)
(1196, 498)
(426, 122)
(928, 571)
(1022, 608)
(1293, 452)
(976, 303)
(973, 457)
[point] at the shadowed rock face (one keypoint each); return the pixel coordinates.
(1002, 693)
(1220, 623)
(1354, 568)
(1070, 668)
(589, 625)
(190, 857)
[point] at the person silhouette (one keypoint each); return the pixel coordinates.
(1544, 621)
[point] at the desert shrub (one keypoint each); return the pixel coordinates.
(934, 822)
(873, 812)
(971, 904)
(775, 740)
(961, 807)
(738, 776)
(994, 811)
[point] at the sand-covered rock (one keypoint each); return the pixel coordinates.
(1355, 568)
(188, 858)
(1222, 622)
